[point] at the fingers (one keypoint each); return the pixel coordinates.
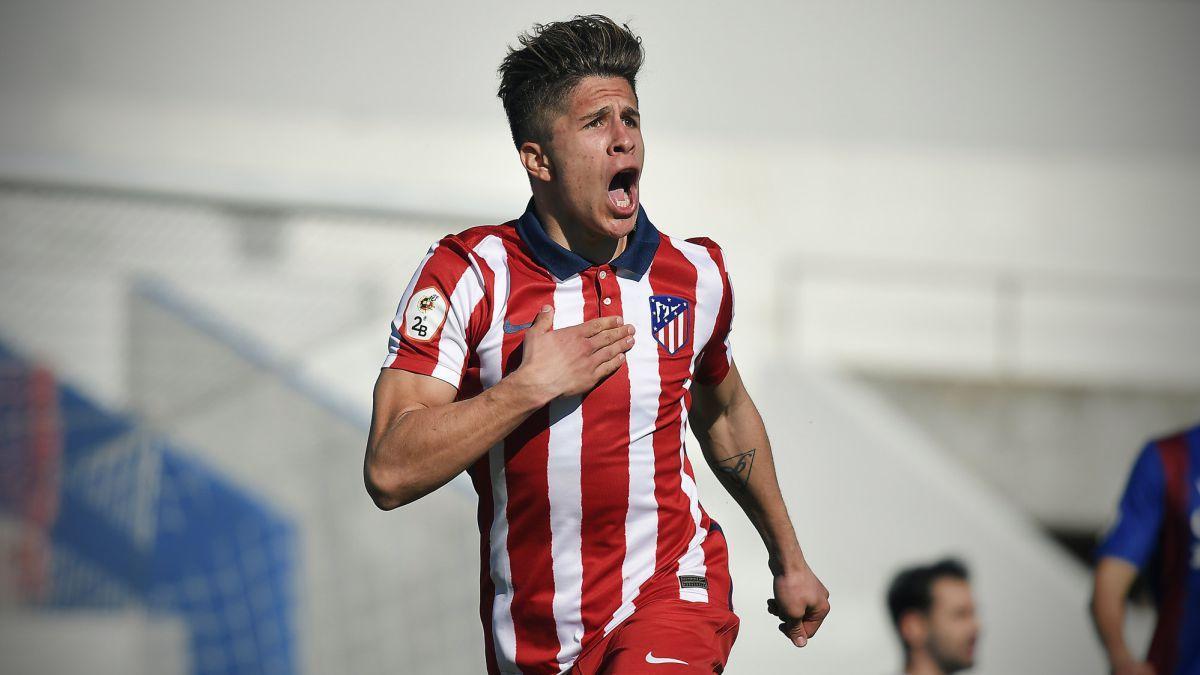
(609, 344)
(799, 630)
(794, 630)
(609, 367)
(604, 323)
(607, 337)
(618, 348)
(814, 616)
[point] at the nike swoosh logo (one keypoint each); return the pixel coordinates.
(651, 658)
(511, 328)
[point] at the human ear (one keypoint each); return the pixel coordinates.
(536, 160)
(914, 628)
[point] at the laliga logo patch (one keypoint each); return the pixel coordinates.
(424, 315)
(670, 321)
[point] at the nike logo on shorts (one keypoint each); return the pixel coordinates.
(651, 658)
(511, 328)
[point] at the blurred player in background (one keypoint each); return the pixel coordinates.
(1157, 530)
(513, 357)
(934, 615)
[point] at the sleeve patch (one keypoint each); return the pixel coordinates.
(425, 314)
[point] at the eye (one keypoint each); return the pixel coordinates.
(630, 122)
(594, 123)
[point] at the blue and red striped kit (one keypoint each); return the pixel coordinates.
(1158, 529)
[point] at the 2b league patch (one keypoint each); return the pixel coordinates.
(424, 315)
(670, 321)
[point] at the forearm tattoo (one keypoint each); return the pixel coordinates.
(735, 471)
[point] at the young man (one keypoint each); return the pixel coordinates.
(1157, 527)
(934, 616)
(557, 359)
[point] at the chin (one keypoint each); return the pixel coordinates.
(615, 228)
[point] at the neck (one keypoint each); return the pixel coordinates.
(920, 663)
(588, 245)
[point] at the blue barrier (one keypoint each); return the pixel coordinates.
(139, 523)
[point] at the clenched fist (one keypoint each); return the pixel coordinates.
(801, 602)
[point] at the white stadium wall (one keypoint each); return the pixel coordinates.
(1041, 147)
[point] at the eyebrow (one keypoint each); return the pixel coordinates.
(601, 112)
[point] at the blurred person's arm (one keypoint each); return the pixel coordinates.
(421, 437)
(1127, 547)
(1114, 578)
(734, 440)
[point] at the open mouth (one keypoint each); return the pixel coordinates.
(622, 188)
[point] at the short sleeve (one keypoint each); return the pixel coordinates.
(715, 360)
(1139, 516)
(432, 332)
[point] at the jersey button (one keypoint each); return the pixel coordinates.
(608, 301)
(603, 274)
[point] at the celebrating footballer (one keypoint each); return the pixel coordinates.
(558, 359)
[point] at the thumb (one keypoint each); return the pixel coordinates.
(794, 630)
(544, 320)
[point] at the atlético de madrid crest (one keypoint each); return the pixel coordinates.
(670, 321)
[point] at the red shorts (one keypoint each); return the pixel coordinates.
(667, 637)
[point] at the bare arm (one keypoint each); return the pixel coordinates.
(421, 437)
(734, 440)
(1114, 578)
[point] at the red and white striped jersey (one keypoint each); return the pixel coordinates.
(589, 509)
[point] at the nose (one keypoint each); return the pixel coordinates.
(622, 141)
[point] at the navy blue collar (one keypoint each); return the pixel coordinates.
(564, 264)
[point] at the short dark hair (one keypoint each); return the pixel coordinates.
(536, 78)
(912, 589)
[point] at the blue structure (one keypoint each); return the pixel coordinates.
(140, 523)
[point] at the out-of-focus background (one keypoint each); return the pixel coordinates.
(964, 238)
